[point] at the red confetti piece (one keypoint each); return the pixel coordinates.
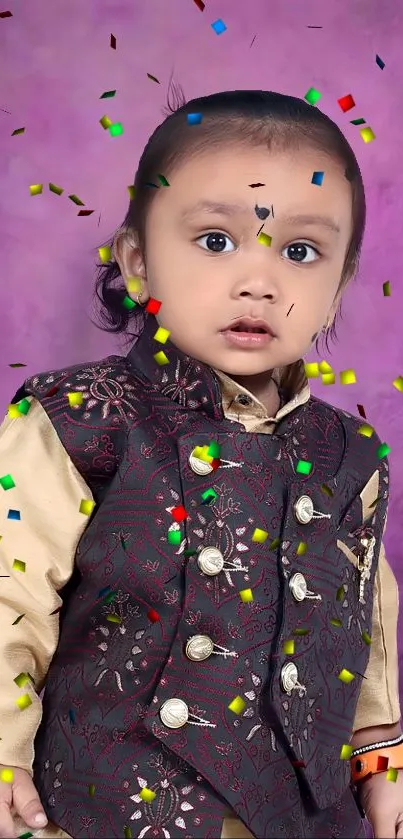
(85, 213)
(6, 14)
(346, 103)
(153, 306)
(179, 513)
(361, 411)
(200, 5)
(298, 764)
(153, 616)
(383, 763)
(52, 391)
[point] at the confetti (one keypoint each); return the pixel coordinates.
(336, 622)
(179, 514)
(367, 134)
(128, 303)
(18, 364)
(108, 94)
(23, 702)
(214, 449)
(162, 335)
(340, 593)
(246, 595)
(153, 616)
(289, 647)
(302, 549)
(105, 122)
(324, 367)
(259, 535)
(127, 832)
(386, 289)
(379, 62)
(301, 632)
(147, 794)
(208, 496)
(85, 213)
(366, 638)
(116, 129)
(359, 121)
(113, 619)
(86, 507)
(317, 178)
(254, 186)
(312, 96)
(218, 26)
(18, 131)
(345, 676)
(237, 705)
(153, 78)
(91, 790)
(361, 411)
(7, 776)
(347, 377)
(391, 774)
(113, 42)
(6, 14)
(19, 565)
(346, 102)
(346, 752)
(36, 189)
(21, 408)
(194, 119)
(199, 4)
(274, 544)
(383, 450)
(153, 306)
(105, 254)
(163, 180)
(76, 200)
(161, 358)
(7, 482)
(264, 239)
(327, 490)
(132, 192)
(174, 537)
(20, 617)
(303, 467)
(328, 379)
(75, 398)
(56, 189)
(398, 383)
(22, 679)
(312, 370)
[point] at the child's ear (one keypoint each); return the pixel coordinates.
(127, 254)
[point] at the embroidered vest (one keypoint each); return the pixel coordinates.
(215, 636)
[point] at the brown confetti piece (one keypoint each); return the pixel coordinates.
(200, 5)
(18, 364)
(85, 213)
(20, 617)
(153, 78)
(113, 42)
(6, 14)
(18, 131)
(56, 189)
(76, 200)
(254, 186)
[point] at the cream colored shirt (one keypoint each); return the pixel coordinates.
(47, 494)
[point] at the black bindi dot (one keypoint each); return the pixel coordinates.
(262, 212)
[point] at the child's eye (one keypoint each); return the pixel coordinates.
(301, 252)
(215, 242)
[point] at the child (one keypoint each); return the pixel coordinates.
(212, 532)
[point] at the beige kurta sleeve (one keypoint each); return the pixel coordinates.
(378, 703)
(40, 526)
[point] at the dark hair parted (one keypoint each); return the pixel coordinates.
(243, 117)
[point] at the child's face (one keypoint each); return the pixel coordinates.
(203, 290)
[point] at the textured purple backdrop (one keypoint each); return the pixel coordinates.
(55, 63)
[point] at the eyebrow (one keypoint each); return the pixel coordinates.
(230, 210)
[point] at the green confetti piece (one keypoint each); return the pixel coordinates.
(359, 121)
(336, 621)
(340, 594)
(366, 638)
(302, 549)
(91, 790)
(116, 129)
(174, 537)
(18, 131)
(127, 830)
(386, 289)
(189, 553)
(108, 94)
(21, 679)
(214, 450)
(110, 597)
(301, 632)
(274, 544)
(25, 835)
(76, 200)
(383, 450)
(312, 96)
(209, 495)
(398, 383)
(56, 189)
(327, 490)
(24, 406)
(303, 467)
(7, 482)
(128, 303)
(163, 180)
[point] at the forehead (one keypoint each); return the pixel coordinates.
(230, 175)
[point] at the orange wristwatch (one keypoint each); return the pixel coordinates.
(375, 760)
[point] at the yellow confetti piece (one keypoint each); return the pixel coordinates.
(386, 289)
(23, 702)
(312, 370)
(36, 189)
(76, 200)
(398, 383)
(13, 412)
(392, 774)
(91, 790)
(366, 638)
(325, 367)
(345, 676)
(7, 776)
(147, 794)
(105, 122)
(336, 622)
(113, 619)
(237, 705)
(264, 239)
(289, 647)
(104, 254)
(19, 565)
(75, 398)
(21, 679)
(346, 752)
(246, 595)
(347, 377)
(56, 189)
(87, 506)
(366, 430)
(274, 544)
(259, 535)
(367, 134)
(201, 452)
(302, 549)
(328, 379)
(161, 358)
(132, 192)
(162, 335)
(340, 593)
(134, 284)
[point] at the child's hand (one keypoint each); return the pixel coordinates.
(21, 794)
(382, 801)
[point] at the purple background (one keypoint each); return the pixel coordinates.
(56, 61)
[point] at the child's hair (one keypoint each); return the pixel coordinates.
(249, 117)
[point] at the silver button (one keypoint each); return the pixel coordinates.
(210, 561)
(298, 586)
(289, 676)
(199, 467)
(199, 647)
(174, 713)
(303, 509)
(243, 399)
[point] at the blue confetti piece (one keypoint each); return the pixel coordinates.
(104, 591)
(379, 62)
(72, 716)
(194, 119)
(218, 26)
(14, 514)
(317, 178)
